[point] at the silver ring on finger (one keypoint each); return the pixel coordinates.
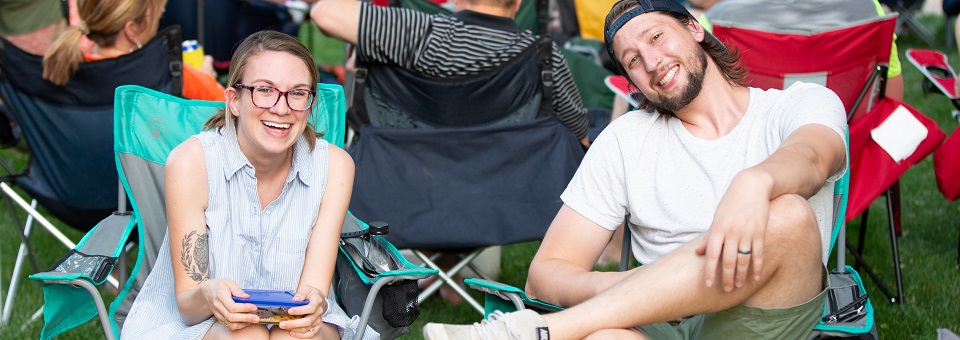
(744, 252)
(310, 330)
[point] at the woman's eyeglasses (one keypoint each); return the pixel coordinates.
(266, 97)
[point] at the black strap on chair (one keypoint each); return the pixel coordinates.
(543, 17)
(65, 9)
(175, 58)
(357, 115)
(545, 61)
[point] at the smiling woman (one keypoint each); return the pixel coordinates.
(270, 204)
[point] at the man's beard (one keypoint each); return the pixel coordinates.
(689, 93)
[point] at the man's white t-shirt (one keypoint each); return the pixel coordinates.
(670, 182)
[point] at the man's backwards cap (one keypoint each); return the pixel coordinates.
(645, 6)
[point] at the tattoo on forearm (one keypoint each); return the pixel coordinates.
(193, 256)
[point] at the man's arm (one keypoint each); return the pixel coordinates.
(337, 18)
(801, 165)
(562, 271)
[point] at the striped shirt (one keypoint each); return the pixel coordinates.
(256, 248)
(464, 43)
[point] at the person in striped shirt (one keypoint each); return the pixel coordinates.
(479, 36)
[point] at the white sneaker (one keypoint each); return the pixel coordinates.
(522, 325)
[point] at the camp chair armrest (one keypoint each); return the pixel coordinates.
(415, 273)
(95, 256)
(510, 293)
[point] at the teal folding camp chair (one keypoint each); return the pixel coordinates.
(847, 312)
(148, 125)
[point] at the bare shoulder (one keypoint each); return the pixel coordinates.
(339, 160)
(187, 159)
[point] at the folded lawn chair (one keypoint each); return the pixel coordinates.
(621, 87)
(69, 132)
(850, 59)
(946, 160)
(148, 124)
(848, 311)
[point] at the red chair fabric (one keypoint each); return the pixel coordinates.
(844, 58)
(933, 64)
(872, 170)
(946, 166)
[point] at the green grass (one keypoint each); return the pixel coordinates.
(928, 247)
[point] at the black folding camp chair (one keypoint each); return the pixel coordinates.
(460, 164)
(69, 131)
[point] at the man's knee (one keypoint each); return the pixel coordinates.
(791, 212)
(792, 220)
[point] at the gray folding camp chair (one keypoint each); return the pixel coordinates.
(147, 126)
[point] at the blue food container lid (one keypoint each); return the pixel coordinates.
(275, 298)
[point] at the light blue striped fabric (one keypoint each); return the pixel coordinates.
(258, 249)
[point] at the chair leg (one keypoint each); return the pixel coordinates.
(907, 18)
(446, 277)
(25, 251)
(861, 239)
(101, 308)
(948, 23)
(893, 205)
(894, 245)
(893, 218)
(865, 268)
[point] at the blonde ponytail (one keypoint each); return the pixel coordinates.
(63, 58)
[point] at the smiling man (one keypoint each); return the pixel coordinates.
(729, 192)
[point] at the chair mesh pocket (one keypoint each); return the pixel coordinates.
(97, 267)
(400, 307)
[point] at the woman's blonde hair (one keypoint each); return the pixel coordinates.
(253, 45)
(101, 21)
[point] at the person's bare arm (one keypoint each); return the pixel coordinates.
(801, 165)
(339, 19)
(198, 297)
(321, 256)
(562, 271)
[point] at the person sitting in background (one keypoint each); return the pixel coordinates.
(31, 24)
(260, 199)
(480, 36)
(118, 27)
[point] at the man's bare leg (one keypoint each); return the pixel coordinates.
(674, 287)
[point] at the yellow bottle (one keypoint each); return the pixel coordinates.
(192, 53)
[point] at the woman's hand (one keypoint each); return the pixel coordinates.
(308, 326)
(218, 295)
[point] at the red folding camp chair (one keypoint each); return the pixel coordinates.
(852, 61)
(621, 87)
(946, 160)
